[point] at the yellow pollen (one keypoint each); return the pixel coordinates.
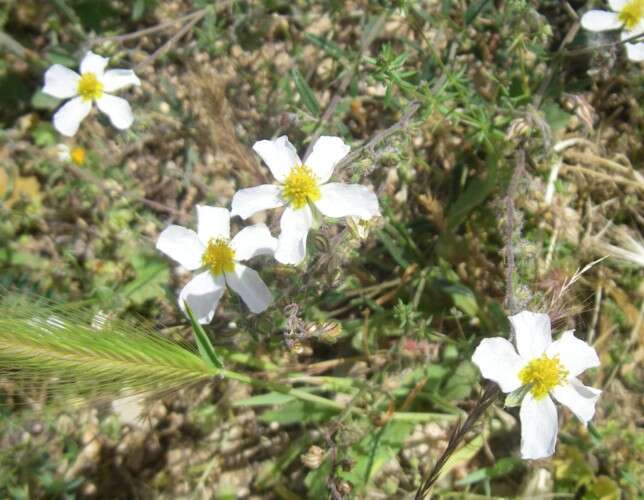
(544, 374)
(219, 257)
(300, 187)
(77, 154)
(89, 88)
(632, 14)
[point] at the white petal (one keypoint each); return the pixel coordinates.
(327, 152)
(617, 5)
(538, 427)
(252, 241)
(68, 117)
(532, 331)
(182, 245)
(115, 79)
(249, 201)
(118, 110)
(61, 82)
(635, 51)
(575, 354)
(212, 222)
(498, 361)
(250, 287)
(93, 63)
(347, 200)
(63, 152)
(202, 293)
(279, 155)
(579, 398)
(600, 20)
(291, 244)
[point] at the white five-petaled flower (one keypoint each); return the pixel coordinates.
(212, 249)
(545, 368)
(92, 85)
(628, 16)
(75, 155)
(301, 185)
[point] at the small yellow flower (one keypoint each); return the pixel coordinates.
(77, 155)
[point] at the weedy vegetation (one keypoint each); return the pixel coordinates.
(495, 150)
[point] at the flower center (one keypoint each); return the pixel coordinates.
(544, 374)
(77, 154)
(219, 257)
(89, 88)
(632, 14)
(300, 187)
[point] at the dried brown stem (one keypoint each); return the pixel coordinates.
(459, 432)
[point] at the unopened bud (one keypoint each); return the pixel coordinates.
(313, 457)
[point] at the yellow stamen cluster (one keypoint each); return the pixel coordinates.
(77, 154)
(89, 88)
(544, 374)
(219, 257)
(300, 187)
(632, 14)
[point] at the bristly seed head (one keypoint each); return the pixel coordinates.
(219, 257)
(301, 187)
(89, 88)
(632, 14)
(544, 374)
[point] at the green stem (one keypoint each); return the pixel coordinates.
(328, 403)
(284, 389)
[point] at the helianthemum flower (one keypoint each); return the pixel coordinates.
(628, 16)
(92, 85)
(211, 249)
(301, 186)
(75, 155)
(543, 368)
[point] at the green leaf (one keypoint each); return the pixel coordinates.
(515, 397)
(475, 193)
(206, 349)
(40, 100)
(556, 117)
(328, 46)
(269, 399)
(369, 455)
(298, 412)
(306, 94)
(462, 455)
(502, 467)
(375, 450)
(463, 298)
(152, 274)
(460, 384)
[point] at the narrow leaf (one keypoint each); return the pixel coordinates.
(306, 94)
(206, 349)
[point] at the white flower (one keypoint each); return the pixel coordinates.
(300, 185)
(90, 86)
(628, 16)
(75, 155)
(212, 249)
(550, 368)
